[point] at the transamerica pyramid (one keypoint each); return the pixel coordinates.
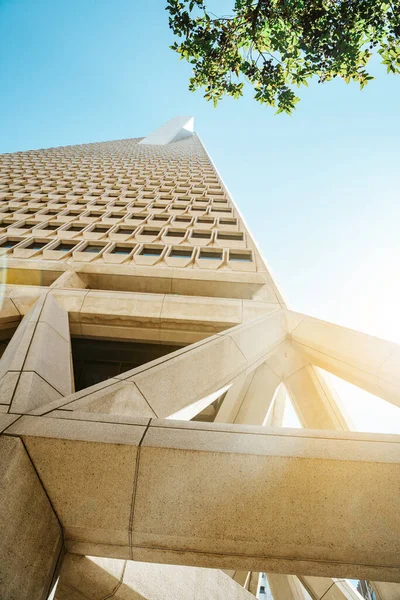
(146, 357)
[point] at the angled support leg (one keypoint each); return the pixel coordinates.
(329, 589)
(29, 375)
(370, 363)
(176, 383)
(92, 578)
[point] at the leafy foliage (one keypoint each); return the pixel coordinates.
(278, 45)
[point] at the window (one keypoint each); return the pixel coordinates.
(9, 243)
(100, 229)
(125, 230)
(122, 249)
(202, 235)
(230, 236)
(211, 254)
(75, 228)
(205, 220)
(92, 248)
(35, 245)
(175, 233)
(153, 232)
(228, 222)
(240, 256)
(51, 227)
(180, 253)
(150, 251)
(64, 247)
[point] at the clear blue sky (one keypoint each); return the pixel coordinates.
(320, 190)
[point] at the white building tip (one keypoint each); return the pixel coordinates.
(173, 130)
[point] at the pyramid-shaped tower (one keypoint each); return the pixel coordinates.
(147, 355)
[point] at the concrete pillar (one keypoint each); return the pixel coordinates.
(30, 376)
(234, 398)
(386, 591)
(314, 400)
(31, 537)
(285, 587)
(277, 410)
(258, 397)
(241, 577)
(253, 583)
(330, 589)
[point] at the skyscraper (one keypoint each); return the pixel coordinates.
(147, 354)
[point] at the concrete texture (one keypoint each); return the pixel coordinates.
(31, 536)
(183, 499)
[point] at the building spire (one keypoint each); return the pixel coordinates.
(173, 130)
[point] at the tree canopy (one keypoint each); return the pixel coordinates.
(279, 45)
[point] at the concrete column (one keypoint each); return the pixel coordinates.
(277, 410)
(234, 398)
(330, 589)
(258, 397)
(241, 577)
(253, 583)
(314, 401)
(285, 587)
(386, 591)
(36, 365)
(31, 537)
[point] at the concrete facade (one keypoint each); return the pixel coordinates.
(146, 354)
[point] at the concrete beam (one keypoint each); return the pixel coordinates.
(181, 379)
(230, 497)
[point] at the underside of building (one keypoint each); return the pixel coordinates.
(146, 358)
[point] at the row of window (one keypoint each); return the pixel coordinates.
(196, 177)
(137, 180)
(184, 163)
(86, 196)
(98, 207)
(90, 216)
(102, 173)
(55, 249)
(150, 231)
(130, 225)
